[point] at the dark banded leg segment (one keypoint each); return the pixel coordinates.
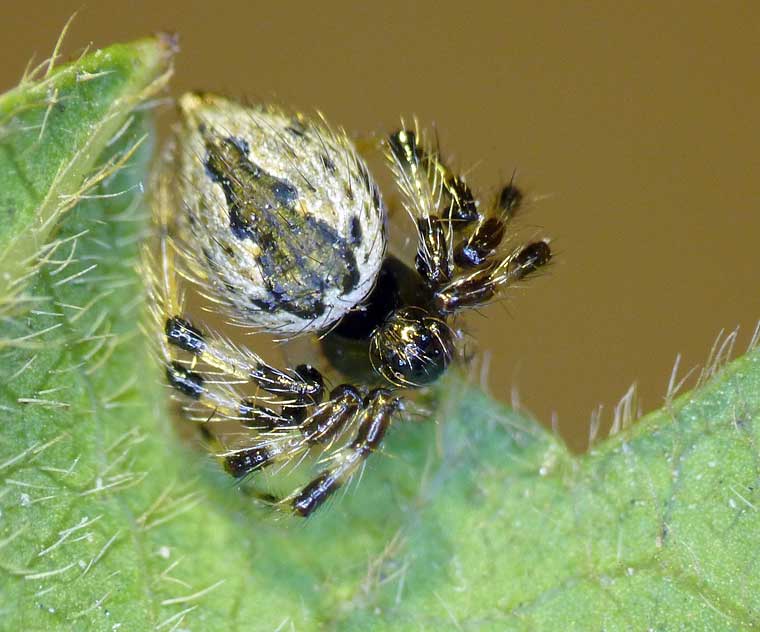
(197, 389)
(483, 242)
(412, 155)
(375, 418)
(286, 443)
(281, 437)
(304, 384)
(480, 286)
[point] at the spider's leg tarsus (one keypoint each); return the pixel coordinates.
(509, 201)
(307, 385)
(478, 247)
(483, 242)
(530, 258)
(463, 207)
(332, 416)
(433, 261)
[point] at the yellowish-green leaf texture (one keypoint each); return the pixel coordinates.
(481, 521)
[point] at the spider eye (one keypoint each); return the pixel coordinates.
(411, 348)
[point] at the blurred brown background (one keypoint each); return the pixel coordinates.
(633, 127)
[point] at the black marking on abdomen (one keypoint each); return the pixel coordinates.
(327, 163)
(295, 249)
(351, 280)
(356, 231)
(285, 193)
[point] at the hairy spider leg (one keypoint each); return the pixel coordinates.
(374, 420)
(469, 274)
(480, 286)
(324, 428)
(489, 230)
(285, 444)
(421, 178)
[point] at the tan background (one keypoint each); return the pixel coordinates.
(633, 126)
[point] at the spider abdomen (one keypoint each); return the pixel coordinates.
(280, 214)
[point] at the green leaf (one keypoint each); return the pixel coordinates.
(481, 521)
(51, 133)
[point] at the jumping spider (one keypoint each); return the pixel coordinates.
(276, 219)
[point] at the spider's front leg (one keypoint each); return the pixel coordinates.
(304, 384)
(303, 422)
(480, 286)
(468, 273)
(438, 201)
(295, 391)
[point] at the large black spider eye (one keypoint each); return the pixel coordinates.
(412, 348)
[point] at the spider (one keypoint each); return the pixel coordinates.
(275, 217)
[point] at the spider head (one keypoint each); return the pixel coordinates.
(412, 348)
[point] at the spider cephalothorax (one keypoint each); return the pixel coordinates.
(276, 218)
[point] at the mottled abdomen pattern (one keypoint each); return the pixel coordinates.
(277, 213)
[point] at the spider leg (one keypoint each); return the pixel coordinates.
(467, 274)
(284, 444)
(421, 178)
(438, 200)
(484, 240)
(278, 440)
(275, 439)
(480, 286)
(372, 422)
(412, 154)
(303, 383)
